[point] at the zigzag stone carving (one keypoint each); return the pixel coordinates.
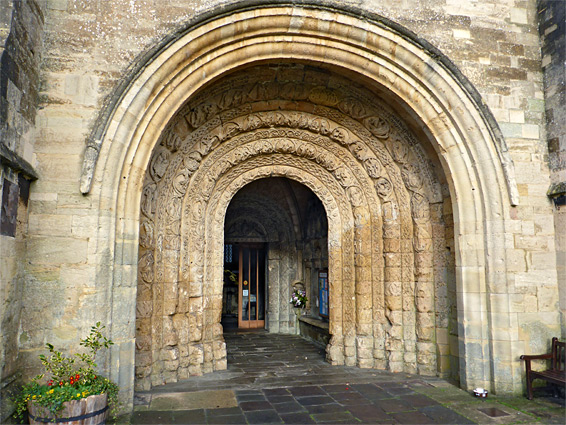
(382, 199)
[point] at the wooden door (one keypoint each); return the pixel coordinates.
(251, 287)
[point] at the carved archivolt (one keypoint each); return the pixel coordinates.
(372, 176)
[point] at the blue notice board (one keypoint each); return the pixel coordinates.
(323, 293)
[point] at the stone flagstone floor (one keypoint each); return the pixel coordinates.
(276, 379)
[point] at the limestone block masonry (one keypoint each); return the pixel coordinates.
(21, 34)
(552, 16)
(420, 127)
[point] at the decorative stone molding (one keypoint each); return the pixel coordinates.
(96, 138)
(472, 160)
(369, 162)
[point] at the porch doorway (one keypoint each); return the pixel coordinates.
(275, 238)
(244, 286)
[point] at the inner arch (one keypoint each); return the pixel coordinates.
(284, 224)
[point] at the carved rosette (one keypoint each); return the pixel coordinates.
(377, 186)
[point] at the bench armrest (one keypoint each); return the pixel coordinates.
(528, 358)
(536, 357)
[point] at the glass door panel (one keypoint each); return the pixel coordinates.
(261, 286)
(245, 283)
(253, 284)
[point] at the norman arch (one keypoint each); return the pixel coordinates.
(377, 187)
(391, 64)
(267, 217)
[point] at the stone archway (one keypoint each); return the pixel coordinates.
(408, 74)
(272, 214)
(374, 178)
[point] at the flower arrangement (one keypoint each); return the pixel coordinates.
(299, 298)
(69, 378)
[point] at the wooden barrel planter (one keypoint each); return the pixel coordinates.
(92, 410)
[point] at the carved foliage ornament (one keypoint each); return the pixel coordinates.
(191, 162)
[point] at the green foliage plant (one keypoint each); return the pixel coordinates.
(69, 378)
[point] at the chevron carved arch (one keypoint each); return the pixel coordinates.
(187, 99)
(367, 169)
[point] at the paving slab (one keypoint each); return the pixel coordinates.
(339, 388)
(250, 406)
(412, 418)
(315, 400)
(193, 400)
(193, 416)
(297, 418)
(289, 407)
(250, 397)
(350, 398)
(306, 391)
(285, 379)
(227, 411)
(263, 417)
(393, 405)
(418, 400)
(275, 399)
(443, 415)
(336, 417)
(151, 417)
(227, 420)
(369, 413)
(276, 392)
(326, 408)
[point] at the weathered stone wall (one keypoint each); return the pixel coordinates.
(21, 27)
(12, 249)
(5, 21)
(89, 47)
(552, 28)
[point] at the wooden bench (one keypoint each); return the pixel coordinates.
(557, 372)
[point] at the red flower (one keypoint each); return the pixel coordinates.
(61, 383)
(77, 377)
(50, 383)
